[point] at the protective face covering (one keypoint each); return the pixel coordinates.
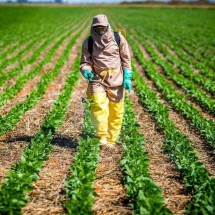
(100, 30)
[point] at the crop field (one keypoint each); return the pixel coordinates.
(50, 158)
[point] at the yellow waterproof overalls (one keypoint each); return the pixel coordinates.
(107, 115)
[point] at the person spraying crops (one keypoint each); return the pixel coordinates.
(106, 64)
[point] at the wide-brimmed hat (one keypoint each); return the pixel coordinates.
(100, 20)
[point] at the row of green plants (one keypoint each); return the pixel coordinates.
(4, 77)
(197, 180)
(11, 91)
(7, 38)
(178, 101)
(14, 191)
(202, 66)
(186, 85)
(200, 59)
(206, 51)
(12, 118)
(189, 45)
(183, 34)
(144, 195)
(4, 61)
(22, 31)
(79, 185)
(6, 46)
(30, 45)
(196, 55)
(31, 42)
(206, 83)
(184, 67)
(36, 21)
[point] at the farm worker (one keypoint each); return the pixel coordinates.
(106, 64)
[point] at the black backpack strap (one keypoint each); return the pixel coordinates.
(90, 45)
(117, 38)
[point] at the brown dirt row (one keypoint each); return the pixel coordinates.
(161, 168)
(30, 67)
(189, 99)
(190, 55)
(31, 121)
(111, 197)
(183, 50)
(49, 191)
(9, 154)
(175, 67)
(108, 185)
(171, 51)
(28, 55)
(111, 200)
(5, 49)
(203, 151)
(31, 84)
(196, 71)
(17, 51)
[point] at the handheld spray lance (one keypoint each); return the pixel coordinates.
(83, 99)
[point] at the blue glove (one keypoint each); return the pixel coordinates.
(88, 75)
(127, 75)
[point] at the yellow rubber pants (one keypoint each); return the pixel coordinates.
(107, 116)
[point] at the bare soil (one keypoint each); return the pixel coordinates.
(31, 66)
(49, 191)
(31, 121)
(111, 197)
(161, 168)
(203, 150)
(31, 84)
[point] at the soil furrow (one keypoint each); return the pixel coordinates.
(179, 90)
(189, 99)
(28, 55)
(203, 150)
(171, 51)
(31, 66)
(161, 168)
(49, 192)
(175, 67)
(111, 197)
(31, 121)
(18, 50)
(9, 154)
(31, 84)
(9, 46)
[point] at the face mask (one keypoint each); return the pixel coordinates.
(100, 30)
(100, 33)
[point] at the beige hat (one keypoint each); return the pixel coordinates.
(100, 20)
